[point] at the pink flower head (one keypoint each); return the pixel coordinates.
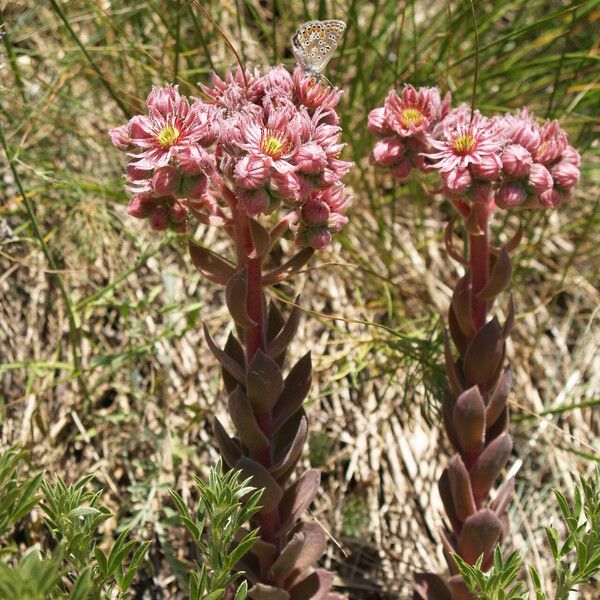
(119, 136)
(377, 122)
(310, 158)
(540, 179)
(413, 112)
(522, 129)
(315, 211)
(160, 136)
(457, 181)
(193, 159)
(236, 90)
(467, 142)
(488, 168)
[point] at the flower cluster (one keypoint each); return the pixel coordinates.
(405, 123)
(265, 141)
(512, 158)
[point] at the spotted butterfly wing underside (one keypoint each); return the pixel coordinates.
(315, 42)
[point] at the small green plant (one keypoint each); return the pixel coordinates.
(73, 566)
(226, 504)
(577, 558)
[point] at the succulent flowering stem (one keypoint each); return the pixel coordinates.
(479, 261)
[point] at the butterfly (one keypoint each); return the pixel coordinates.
(315, 42)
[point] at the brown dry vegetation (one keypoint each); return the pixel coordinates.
(140, 421)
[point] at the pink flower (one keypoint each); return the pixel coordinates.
(516, 160)
(553, 141)
(164, 100)
(139, 207)
(287, 185)
(522, 129)
(539, 178)
(252, 171)
(465, 143)
(413, 112)
(551, 198)
(388, 151)
(319, 238)
(571, 155)
(510, 195)
(315, 211)
(158, 137)
(165, 181)
(565, 174)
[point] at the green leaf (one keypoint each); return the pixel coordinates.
(82, 585)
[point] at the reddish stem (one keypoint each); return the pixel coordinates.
(479, 261)
(255, 340)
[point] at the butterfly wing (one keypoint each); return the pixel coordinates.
(315, 42)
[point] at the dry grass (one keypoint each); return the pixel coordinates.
(372, 304)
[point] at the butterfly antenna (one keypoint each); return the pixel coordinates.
(225, 38)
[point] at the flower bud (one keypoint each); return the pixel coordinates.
(119, 136)
(516, 160)
(401, 171)
(539, 178)
(457, 181)
(377, 122)
(551, 198)
(526, 133)
(255, 201)
(315, 212)
(193, 160)
(194, 187)
(138, 207)
(311, 158)
(488, 168)
(161, 99)
(251, 171)
(159, 218)
(565, 174)
(511, 195)
(287, 185)
(166, 180)
(388, 151)
(336, 222)
(571, 155)
(178, 212)
(319, 238)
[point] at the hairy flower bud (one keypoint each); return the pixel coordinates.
(159, 218)
(388, 151)
(178, 212)
(119, 136)
(402, 170)
(377, 122)
(255, 201)
(565, 174)
(193, 160)
(194, 187)
(165, 180)
(139, 207)
(539, 178)
(571, 155)
(251, 171)
(311, 158)
(457, 181)
(319, 238)
(488, 168)
(516, 160)
(315, 212)
(551, 198)
(511, 195)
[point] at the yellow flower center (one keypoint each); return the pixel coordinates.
(411, 116)
(464, 144)
(167, 136)
(273, 146)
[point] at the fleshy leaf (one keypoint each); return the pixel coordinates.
(264, 382)
(460, 485)
(260, 237)
(236, 293)
(459, 588)
(286, 561)
(245, 422)
(260, 591)
(212, 266)
(230, 449)
(261, 478)
(228, 363)
(479, 535)
(294, 440)
(314, 586)
(430, 586)
(484, 353)
(461, 303)
(468, 419)
(298, 497)
(454, 376)
(447, 500)
(499, 277)
(315, 542)
(234, 349)
(292, 266)
(498, 400)
(489, 464)
(295, 390)
(285, 336)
